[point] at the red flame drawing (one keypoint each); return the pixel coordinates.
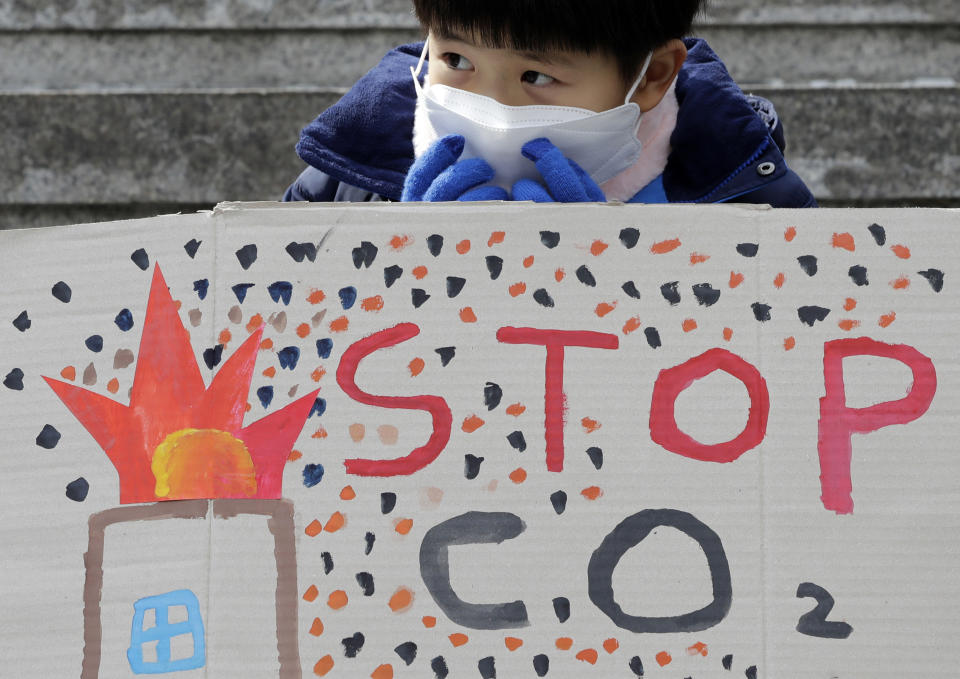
(179, 439)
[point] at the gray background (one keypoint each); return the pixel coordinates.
(112, 109)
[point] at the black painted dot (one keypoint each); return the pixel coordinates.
(636, 665)
(858, 274)
(586, 277)
(247, 255)
(934, 277)
(596, 456)
(281, 291)
(140, 258)
(48, 437)
(369, 539)
(727, 661)
(365, 254)
(191, 246)
(391, 274)
(327, 559)
(561, 608)
(22, 322)
(517, 441)
(492, 395)
(541, 665)
(670, 292)
(124, 320)
(365, 580)
(94, 343)
(213, 356)
(812, 314)
(312, 473)
(487, 667)
(62, 292)
(653, 337)
(543, 298)
(455, 285)
(559, 502)
(310, 250)
(748, 249)
(706, 294)
(77, 490)
(240, 290)
(879, 233)
(494, 266)
(418, 297)
(761, 311)
(471, 466)
(631, 289)
(446, 355)
(629, 237)
(809, 264)
(388, 501)
(296, 251)
(439, 667)
(550, 239)
(751, 672)
(435, 244)
(407, 652)
(353, 645)
(14, 380)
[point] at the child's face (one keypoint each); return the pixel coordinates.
(560, 78)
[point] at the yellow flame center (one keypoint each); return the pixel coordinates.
(203, 463)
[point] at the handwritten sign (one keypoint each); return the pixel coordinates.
(485, 441)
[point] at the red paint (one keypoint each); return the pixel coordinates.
(663, 424)
(554, 401)
(436, 406)
(838, 423)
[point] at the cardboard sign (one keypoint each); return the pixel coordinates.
(482, 441)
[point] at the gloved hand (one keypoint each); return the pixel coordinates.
(567, 182)
(439, 175)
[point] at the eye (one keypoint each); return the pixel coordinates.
(457, 62)
(536, 78)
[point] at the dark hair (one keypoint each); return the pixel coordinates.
(627, 29)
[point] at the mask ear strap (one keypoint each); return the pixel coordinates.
(423, 56)
(636, 83)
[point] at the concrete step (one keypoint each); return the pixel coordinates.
(815, 12)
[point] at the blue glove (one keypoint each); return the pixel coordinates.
(567, 182)
(439, 175)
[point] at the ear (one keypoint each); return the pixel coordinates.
(664, 66)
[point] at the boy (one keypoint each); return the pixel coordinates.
(630, 112)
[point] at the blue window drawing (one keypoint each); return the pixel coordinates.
(163, 631)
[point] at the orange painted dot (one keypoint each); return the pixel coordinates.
(316, 629)
(403, 526)
(320, 433)
(512, 643)
(339, 324)
(429, 621)
(790, 234)
(266, 344)
(401, 600)
(901, 283)
(663, 658)
(303, 330)
(697, 258)
(844, 241)
(113, 386)
(270, 372)
(311, 593)
(337, 599)
(420, 272)
(495, 238)
(604, 308)
(247, 408)
(374, 303)
(597, 248)
(689, 325)
(416, 366)
(463, 247)
(779, 280)
(177, 304)
(590, 425)
(849, 304)
(316, 296)
(335, 522)
(348, 493)
(467, 315)
(611, 645)
(516, 409)
(400, 242)
(314, 528)
(564, 643)
(472, 423)
(735, 279)
(728, 334)
(517, 289)
(255, 322)
(592, 493)
(901, 251)
(887, 319)
(458, 639)
(789, 343)
(665, 246)
(518, 475)
(559, 275)
(294, 456)
(225, 336)
(323, 666)
(848, 324)
(632, 325)
(69, 373)
(383, 672)
(698, 648)
(318, 374)
(588, 655)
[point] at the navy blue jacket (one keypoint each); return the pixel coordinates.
(725, 147)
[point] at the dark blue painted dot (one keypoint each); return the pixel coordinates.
(192, 246)
(561, 608)
(455, 285)
(446, 355)
(213, 356)
(435, 244)
(240, 290)
(748, 249)
(879, 234)
(288, 357)
(517, 441)
(368, 540)
(471, 466)
(94, 343)
(494, 266)
(326, 557)
(407, 652)
(22, 322)
(62, 292)
(201, 287)
(319, 407)
(550, 239)
(418, 297)
(353, 644)
(559, 502)
(365, 580)
(653, 337)
(14, 380)
(124, 320)
(247, 255)
(629, 237)
(543, 298)
(631, 289)
(265, 394)
(348, 297)
(751, 672)
(48, 437)
(487, 667)
(388, 501)
(324, 347)
(541, 664)
(312, 475)
(585, 276)
(391, 274)
(492, 395)
(439, 667)
(596, 456)
(140, 258)
(77, 490)
(281, 290)
(636, 665)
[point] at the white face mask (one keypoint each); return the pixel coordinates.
(603, 144)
